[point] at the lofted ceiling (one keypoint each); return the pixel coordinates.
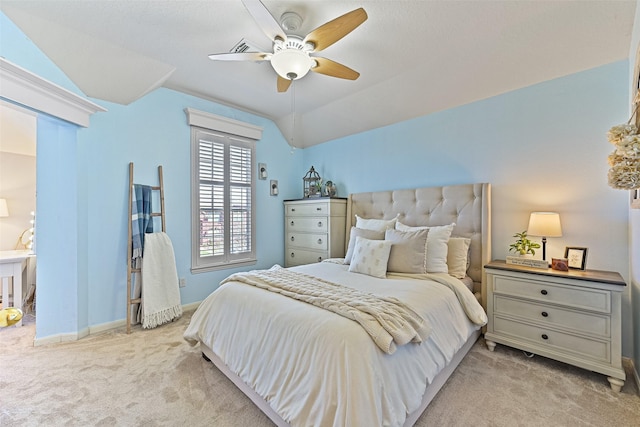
(415, 57)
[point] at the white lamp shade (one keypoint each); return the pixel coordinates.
(291, 64)
(4, 210)
(545, 224)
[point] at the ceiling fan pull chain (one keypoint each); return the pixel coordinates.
(293, 116)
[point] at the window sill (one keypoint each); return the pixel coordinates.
(225, 266)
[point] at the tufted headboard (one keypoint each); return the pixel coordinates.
(468, 205)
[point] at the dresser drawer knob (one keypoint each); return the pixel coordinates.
(544, 292)
(292, 223)
(318, 209)
(545, 314)
(293, 238)
(293, 255)
(319, 241)
(319, 223)
(319, 259)
(545, 337)
(293, 209)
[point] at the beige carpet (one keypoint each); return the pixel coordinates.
(154, 378)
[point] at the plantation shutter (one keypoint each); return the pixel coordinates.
(225, 191)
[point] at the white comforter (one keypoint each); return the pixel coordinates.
(316, 368)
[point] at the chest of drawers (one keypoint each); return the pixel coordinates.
(573, 317)
(314, 230)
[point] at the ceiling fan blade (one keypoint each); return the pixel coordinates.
(267, 23)
(329, 33)
(331, 68)
(242, 56)
(283, 84)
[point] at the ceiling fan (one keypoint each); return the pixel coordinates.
(291, 57)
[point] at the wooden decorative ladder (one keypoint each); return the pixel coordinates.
(131, 269)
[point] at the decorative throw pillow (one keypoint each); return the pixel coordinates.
(376, 224)
(370, 257)
(437, 247)
(361, 232)
(458, 256)
(409, 251)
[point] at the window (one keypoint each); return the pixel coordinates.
(223, 208)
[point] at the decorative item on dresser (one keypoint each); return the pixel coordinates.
(314, 230)
(330, 189)
(312, 183)
(570, 316)
(576, 257)
(523, 246)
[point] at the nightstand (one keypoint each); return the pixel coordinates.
(572, 316)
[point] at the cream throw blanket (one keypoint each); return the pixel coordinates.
(160, 289)
(387, 320)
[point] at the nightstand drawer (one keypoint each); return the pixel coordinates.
(570, 296)
(308, 240)
(308, 209)
(313, 224)
(299, 257)
(557, 317)
(567, 343)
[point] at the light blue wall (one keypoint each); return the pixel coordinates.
(56, 232)
(543, 147)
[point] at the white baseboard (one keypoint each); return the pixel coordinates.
(52, 339)
(192, 306)
(95, 329)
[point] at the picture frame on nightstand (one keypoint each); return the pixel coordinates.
(576, 256)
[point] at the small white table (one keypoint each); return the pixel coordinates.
(12, 266)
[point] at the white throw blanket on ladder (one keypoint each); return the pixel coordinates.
(160, 289)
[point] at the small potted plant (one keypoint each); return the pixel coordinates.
(523, 246)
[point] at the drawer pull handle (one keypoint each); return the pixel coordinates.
(293, 238)
(293, 255)
(544, 292)
(319, 259)
(292, 223)
(318, 209)
(545, 337)
(319, 223)
(545, 314)
(319, 241)
(293, 209)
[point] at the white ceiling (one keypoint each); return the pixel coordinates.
(415, 57)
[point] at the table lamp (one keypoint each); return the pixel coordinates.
(544, 224)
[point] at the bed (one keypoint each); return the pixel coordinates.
(304, 365)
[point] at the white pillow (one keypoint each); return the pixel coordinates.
(458, 256)
(370, 257)
(437, 248)
(362, 232)
(376, 224)
(409, 251)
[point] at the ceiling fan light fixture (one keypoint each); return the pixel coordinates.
(291, 64)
